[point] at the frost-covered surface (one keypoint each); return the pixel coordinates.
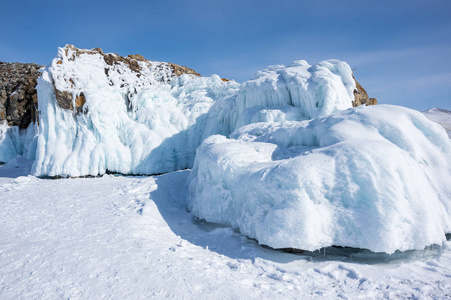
(441, 116)
(131, 238)
(150, 122)
(131, 123)
(375, 177)
(15, 141)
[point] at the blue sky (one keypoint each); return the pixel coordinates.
(400, 50)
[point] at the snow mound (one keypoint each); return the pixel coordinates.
(371, 177)
(120, 119)
(441, 116)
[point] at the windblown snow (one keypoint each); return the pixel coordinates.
(283, 157)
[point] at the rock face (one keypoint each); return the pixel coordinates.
(18, 98)
(361, 97)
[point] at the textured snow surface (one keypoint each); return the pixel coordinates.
(131, 238)
(152, 122)
(441, 116)
(375, 177)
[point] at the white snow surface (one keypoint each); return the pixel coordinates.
(375, 177)
(131, 238)
(441, 116)
(152, 122)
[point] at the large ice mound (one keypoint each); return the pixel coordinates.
(371, 177)
(99, 113)
(289, 93)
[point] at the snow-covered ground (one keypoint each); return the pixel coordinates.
(116, 237)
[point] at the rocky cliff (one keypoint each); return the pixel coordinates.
(18, 98)
(361, 96)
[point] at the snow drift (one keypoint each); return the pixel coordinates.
(370, 177)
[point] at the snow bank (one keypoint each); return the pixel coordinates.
(370, 177)
(144, 122)
(15, 141)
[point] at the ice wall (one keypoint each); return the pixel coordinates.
(120, 120)
(299, 91)
(15, 141)
(370, 177)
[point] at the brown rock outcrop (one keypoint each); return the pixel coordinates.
(18, 98)
(131, 60)
(361, 96)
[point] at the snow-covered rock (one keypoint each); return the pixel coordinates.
(441, 116)
(370, 177)
(103, 112)
(100, 113)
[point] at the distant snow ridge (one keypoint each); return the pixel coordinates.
(374, 177)
(100, 113)
(441, 116)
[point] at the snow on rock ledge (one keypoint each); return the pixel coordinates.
(371, 177)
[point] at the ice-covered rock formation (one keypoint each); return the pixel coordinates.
(371, 177)
(289, 93)
(18, 102)
(102, 112)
